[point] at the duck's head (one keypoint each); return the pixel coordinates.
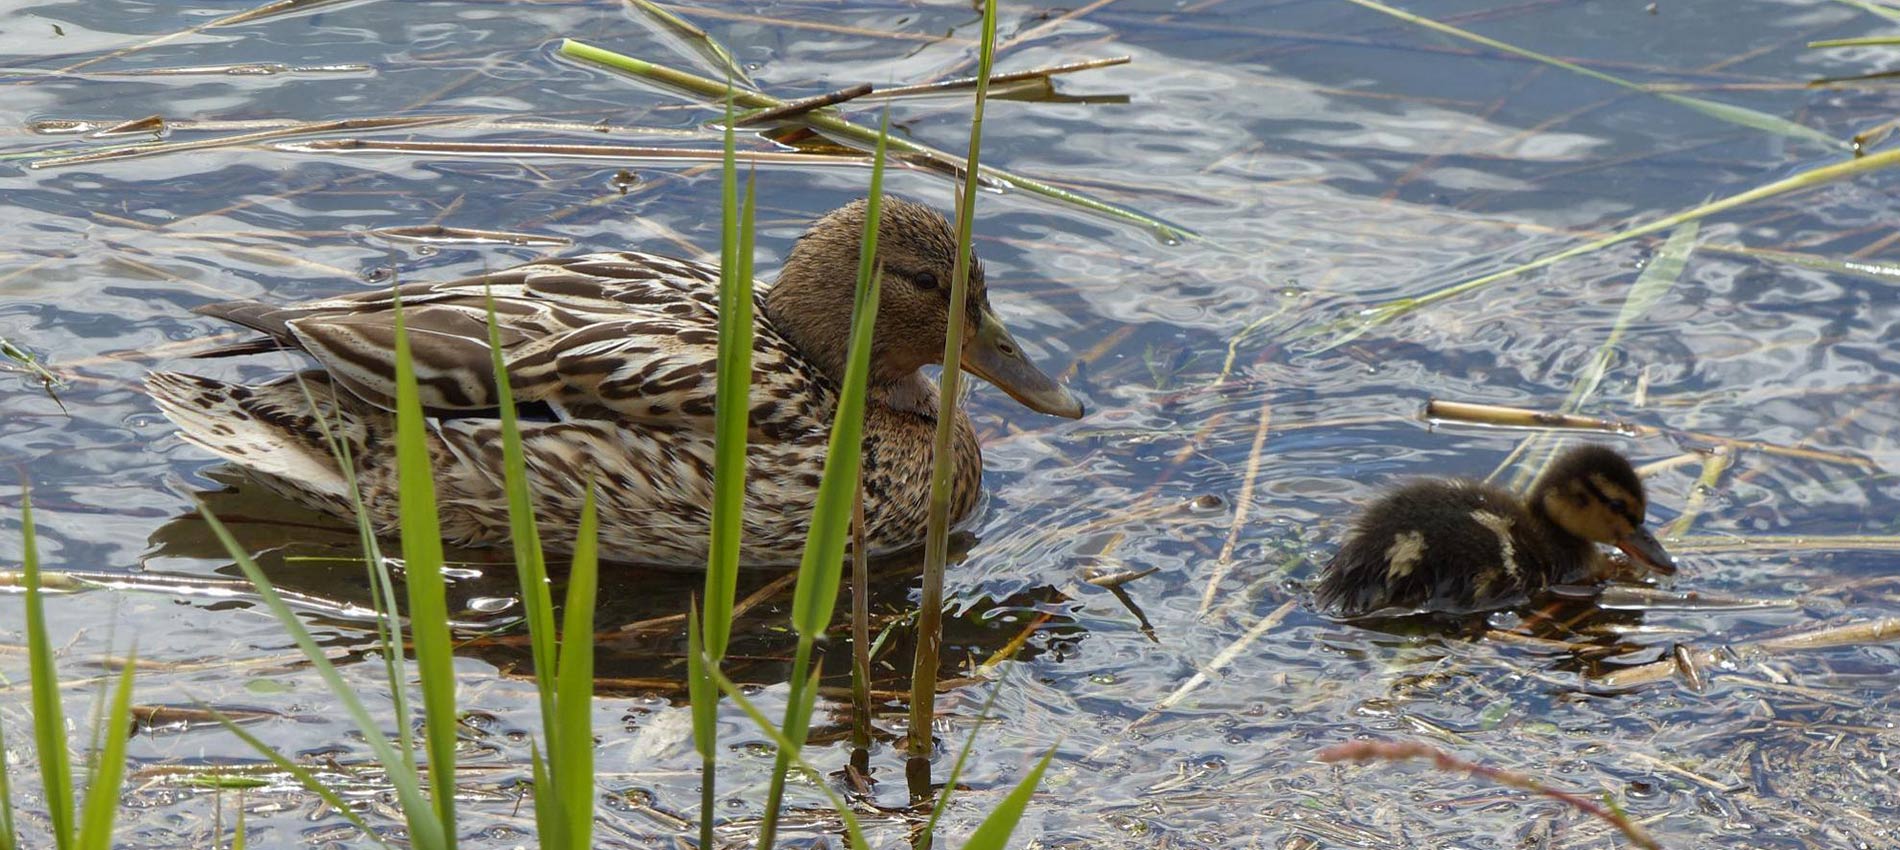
(1592, 492)
(811, 303)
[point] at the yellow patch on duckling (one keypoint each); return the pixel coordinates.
(1407, 549)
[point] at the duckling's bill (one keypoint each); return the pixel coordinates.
(1644, 548)
(994, 356)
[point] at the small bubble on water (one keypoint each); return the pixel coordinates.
(427, 250)
(1103, 678)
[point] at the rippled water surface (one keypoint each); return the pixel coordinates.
(1330, 158)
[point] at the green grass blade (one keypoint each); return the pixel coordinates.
(108, 766)
(9, 838)
(530, 561)
(428, 597)
(1380, 314)
(1663, 271)
(49, 719)
(425, 831)
(835, 126)
(963, 758)
(792, 730)
(573, 766)
(853, 831)
(1863, 41)
(304, 776)
(554, 835)
(1875, 8)
(993, 833)
(238, 840)
(732, 404)
(707, 45)
(822, 567)
(923, 688)
(531, 573)
(1738, 115)
(1536, 451)
(705, 698)
(381, 588)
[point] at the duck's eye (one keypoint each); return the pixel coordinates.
(925, 280)
(1620, 506)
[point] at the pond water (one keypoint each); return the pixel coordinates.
(1330, 157)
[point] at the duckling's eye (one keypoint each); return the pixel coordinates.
(1620, 506)
(925, 280)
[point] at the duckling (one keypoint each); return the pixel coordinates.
(616, 355)
(1461, 546)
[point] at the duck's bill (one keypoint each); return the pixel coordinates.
(1645, 549)
(994, 356)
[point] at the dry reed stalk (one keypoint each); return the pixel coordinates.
(1243, 507)
(303, 129)
(1397, 751)
(1519, 417)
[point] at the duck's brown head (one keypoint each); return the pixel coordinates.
(812, 300)
(1593, 493)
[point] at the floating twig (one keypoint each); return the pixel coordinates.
(794, 108)
(563, 151)
(437, 234)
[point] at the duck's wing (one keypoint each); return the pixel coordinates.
(624, 334)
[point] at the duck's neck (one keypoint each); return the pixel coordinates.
(903, 420)
(1572, 558)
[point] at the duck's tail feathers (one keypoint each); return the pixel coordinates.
(270, 430)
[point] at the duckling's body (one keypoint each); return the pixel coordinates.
(612, 360)
(1458, 545)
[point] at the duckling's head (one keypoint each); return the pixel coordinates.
(812, 301)
(1592, 493)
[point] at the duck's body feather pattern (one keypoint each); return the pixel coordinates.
(1453, 545)
(622, 349)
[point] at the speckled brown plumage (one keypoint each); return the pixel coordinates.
(1458, 545)
(617, 352)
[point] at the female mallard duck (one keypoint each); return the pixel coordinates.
(613, 355)
(1458, 545)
